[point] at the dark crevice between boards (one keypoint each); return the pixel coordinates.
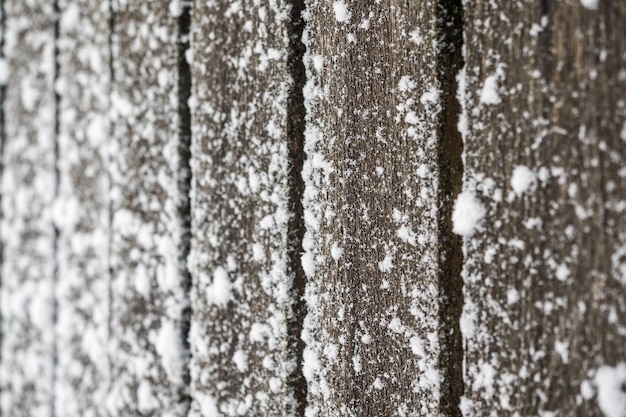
(3, 92)
(450, 252)
(57, 187)
(184, 188)
(296, 228)
(110, 193)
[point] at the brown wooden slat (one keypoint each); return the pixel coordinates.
(244, 331)
(28, 191)
(82, 210)
(375, 210)
(148, 353)
(545, 152)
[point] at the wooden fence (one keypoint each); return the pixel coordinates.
(313, 208)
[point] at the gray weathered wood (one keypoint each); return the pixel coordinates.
(82, 210)
(148, 353)
(28, 189)
(545, 148)
(245, 330)
(376, 330)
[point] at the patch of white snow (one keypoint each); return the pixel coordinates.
(590, 4)
(489, 93)
(342, 14)
(467, 215)
(220, 290)
(611, 382)
(522, 179)
(4, 71)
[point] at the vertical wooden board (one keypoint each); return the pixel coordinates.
(82, 210)
(148, 354)
(28, 188)
(243, 351)
(374, 103)
(543, 206)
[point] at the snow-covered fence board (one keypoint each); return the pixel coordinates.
(81, 211)
(379, 334)
(28, 191)
(542, 209)
(247, 278)
(149, 279)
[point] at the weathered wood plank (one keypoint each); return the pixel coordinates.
(543, 208)
(28, 189)
(82, 210)
(374, 210)
(245, 329)
(149, 297)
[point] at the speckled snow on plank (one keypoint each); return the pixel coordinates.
(28, 187)
(147, 350)
(371, 173)
(543, 208)
(242, 359)
(82, 210)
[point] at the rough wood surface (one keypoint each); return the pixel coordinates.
(149, 279)
(375, 108)
(545, 148)
(28, 188)
(244, 343)
(82, 210)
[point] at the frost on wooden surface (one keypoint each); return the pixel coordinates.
(372, 99)
(545, 138)
(242, 359)
(81, 212)
(28, 186)
(147, 350)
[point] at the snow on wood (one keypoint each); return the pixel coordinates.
(244, 354)
(544, 125)
(28, 188)
(374, 111)
(147, 350)
(81, 212)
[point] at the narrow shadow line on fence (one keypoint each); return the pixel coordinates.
(2, 143)
(110, 194)
(296, 227)
(184, 187)
(57, 189)
(450, 256)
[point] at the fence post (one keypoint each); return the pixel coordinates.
(380, 323)
(28, 191)
(542, 209)
(149, 278)
(82, 209)
(247, 279)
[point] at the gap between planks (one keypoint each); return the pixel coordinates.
(57, 189)
(184, 184)
(2, 143)
(296, 226)
(450, 28)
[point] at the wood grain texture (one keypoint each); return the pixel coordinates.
(82, 209)
(149, 299)
(244, 353)
(28, 188)
(545, 139)
(373, 209)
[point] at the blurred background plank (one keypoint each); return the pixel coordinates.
(544, 125)
(247, 130)
(149, 196)
(380, 332)
(29, 185)
(82, 210)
